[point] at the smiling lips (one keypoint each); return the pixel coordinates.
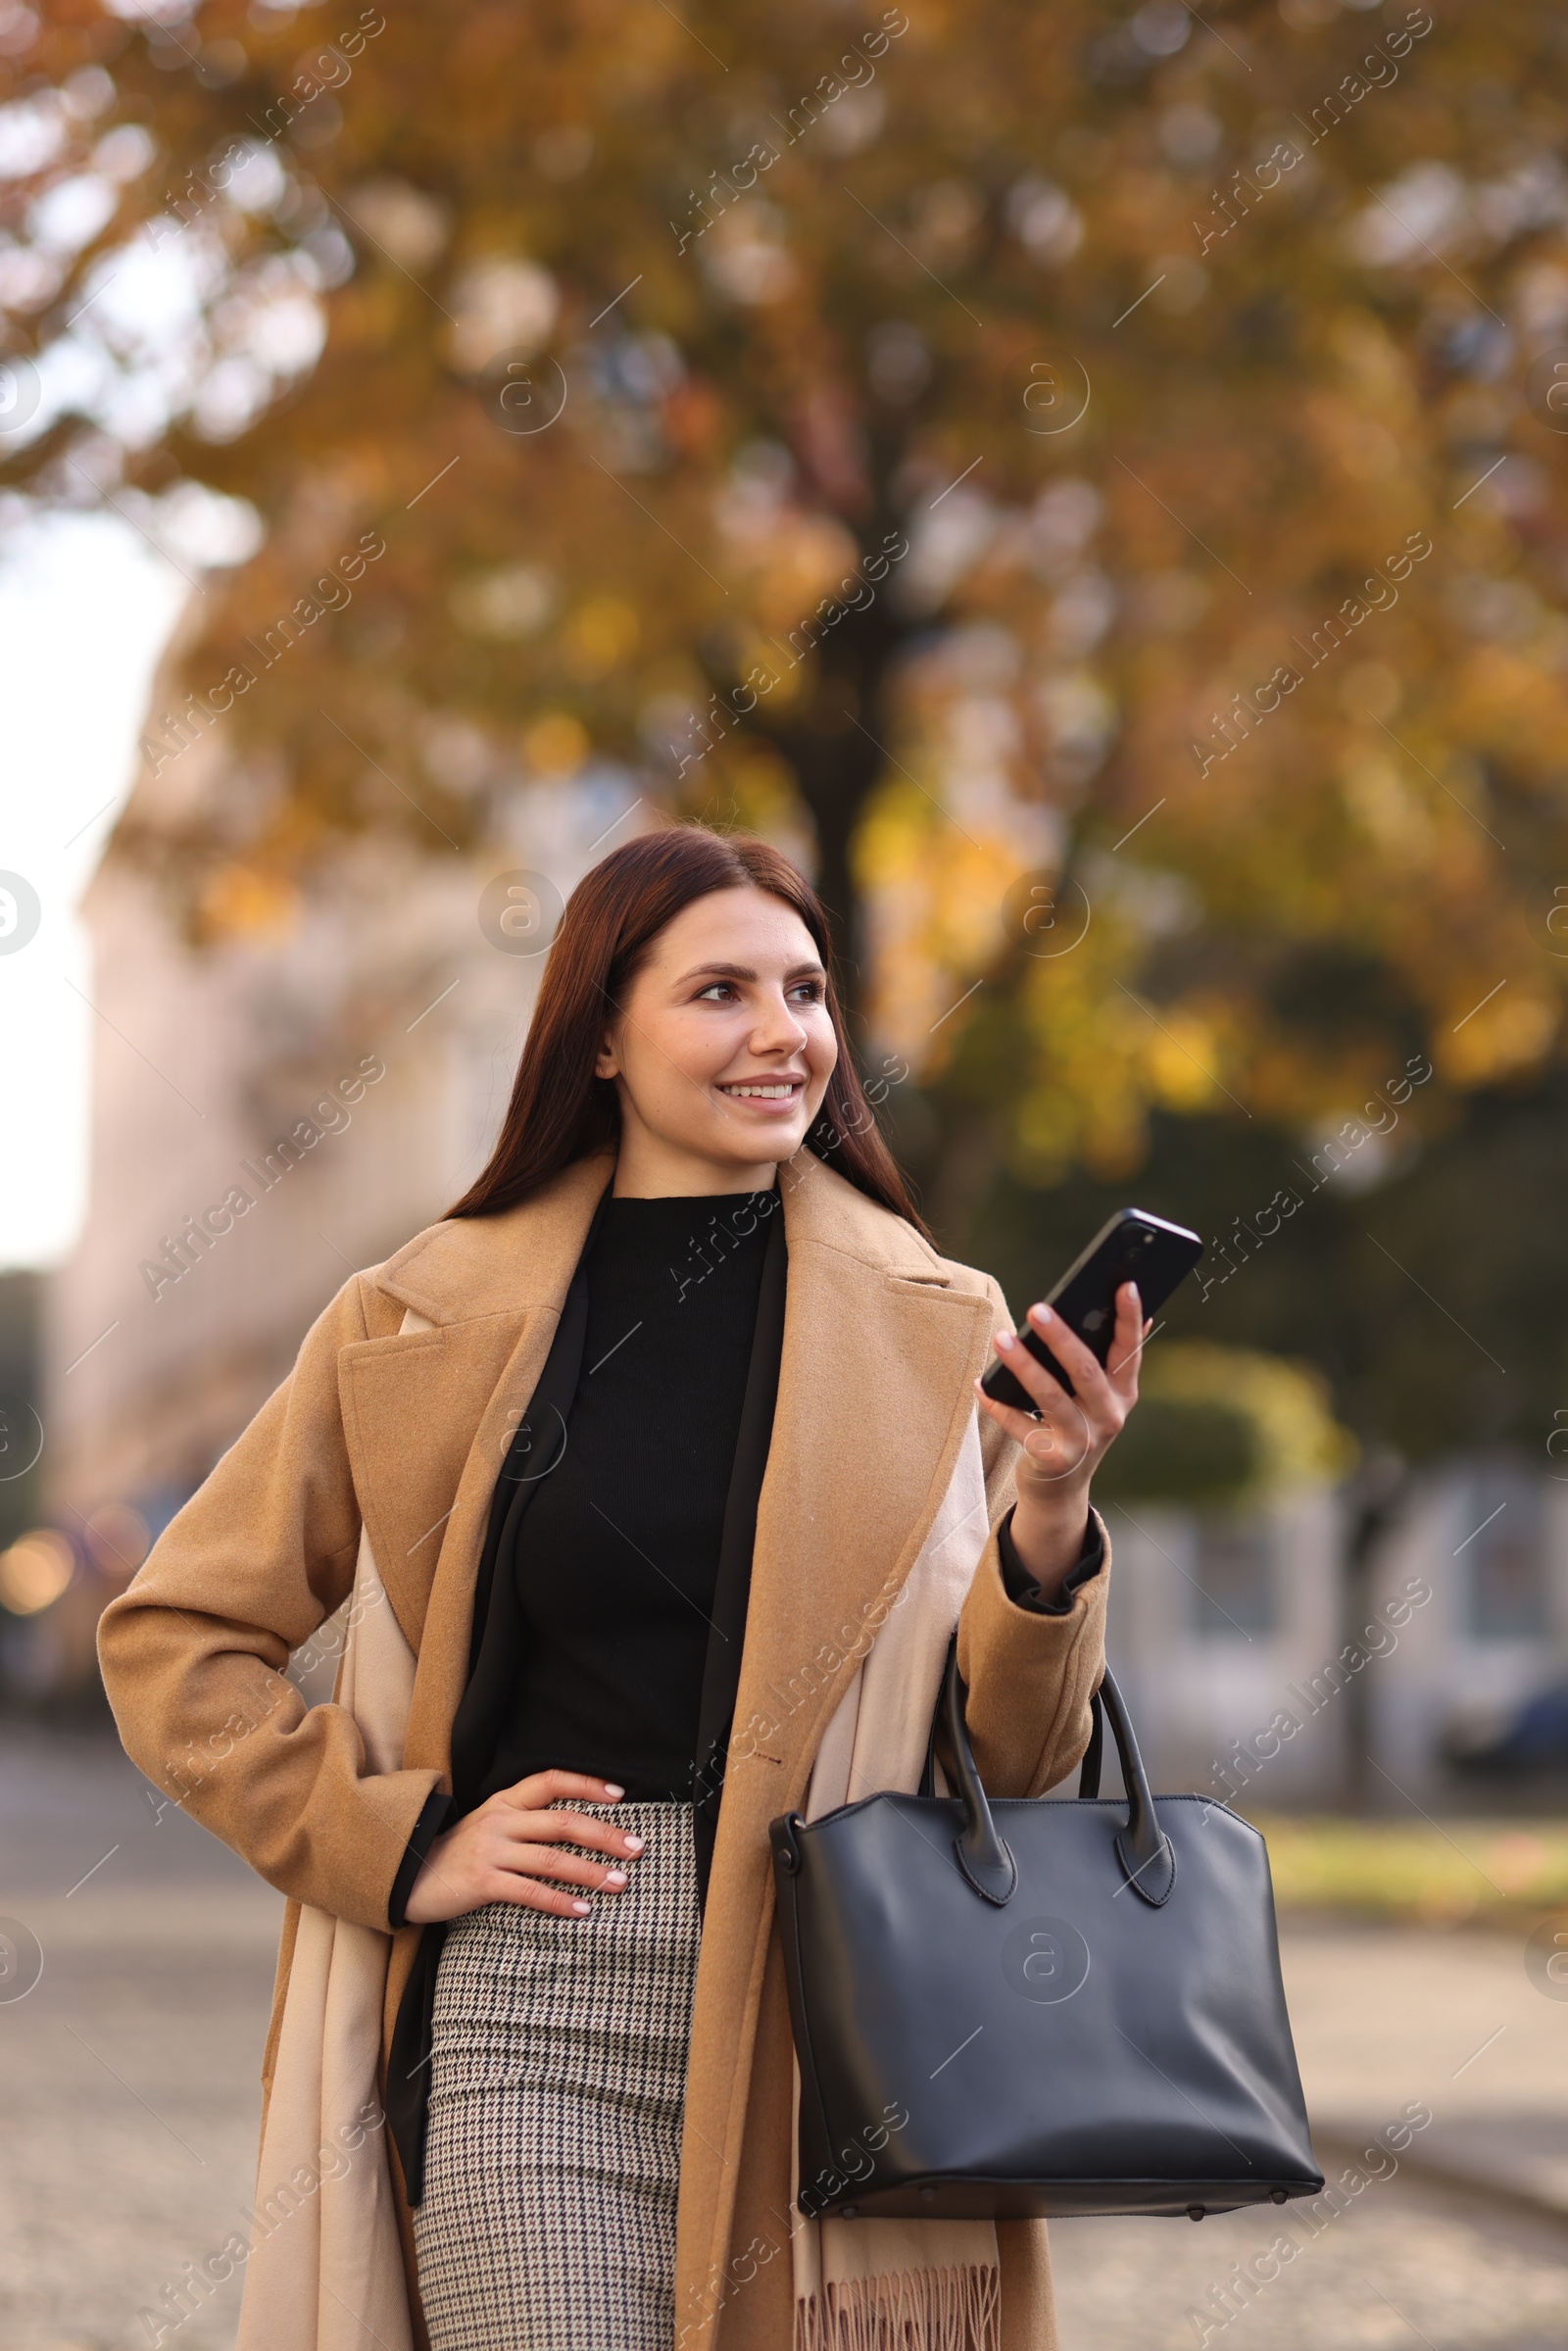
(765, 1090)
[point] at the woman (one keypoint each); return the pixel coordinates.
(663, 1453)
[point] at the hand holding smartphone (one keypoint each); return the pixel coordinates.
(1134, 1246)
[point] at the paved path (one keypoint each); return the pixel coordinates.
(128, 2103)
(128, 2099)
(1383, 2015)
(1456, 2017)
(1406, 2266)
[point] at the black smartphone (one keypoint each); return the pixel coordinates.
(1134, 1246)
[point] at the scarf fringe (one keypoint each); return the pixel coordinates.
(904, 2310)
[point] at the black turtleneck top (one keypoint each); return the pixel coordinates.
(617, 1554)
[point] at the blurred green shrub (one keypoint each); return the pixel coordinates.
(1221, 1425)
(1440, 1872)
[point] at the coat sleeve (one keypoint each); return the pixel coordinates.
(194, 1652)
(1029, 1674)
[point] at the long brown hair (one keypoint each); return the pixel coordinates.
(561, 1111)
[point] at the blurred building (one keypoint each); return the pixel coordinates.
(1232, 1637)
(273, 1111)
(20, 1400)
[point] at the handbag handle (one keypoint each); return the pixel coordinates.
(1143, 1850)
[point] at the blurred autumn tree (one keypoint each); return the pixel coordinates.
(1200, 763)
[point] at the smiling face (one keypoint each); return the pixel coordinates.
(722, 1049)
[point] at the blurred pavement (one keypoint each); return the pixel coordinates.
(128, 2091)
(1382, 2016)
(129, 2106)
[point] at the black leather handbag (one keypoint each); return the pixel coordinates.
(1038, 2005)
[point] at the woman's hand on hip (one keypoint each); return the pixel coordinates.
(510, 1850)
(1065, 1445)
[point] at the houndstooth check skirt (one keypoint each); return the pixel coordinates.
(558, 2079)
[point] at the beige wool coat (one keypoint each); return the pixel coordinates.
(404, 1433)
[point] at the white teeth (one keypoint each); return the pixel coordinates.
(764, 1093)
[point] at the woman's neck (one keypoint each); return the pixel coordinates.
(648, 1168)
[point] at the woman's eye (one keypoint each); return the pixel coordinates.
(718, 992)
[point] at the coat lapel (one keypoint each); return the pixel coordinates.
(430, 1414)
(412, 1407)
(880, 1348)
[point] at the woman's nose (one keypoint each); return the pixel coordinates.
(780, 1030)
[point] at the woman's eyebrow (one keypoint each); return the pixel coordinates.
(743, 971)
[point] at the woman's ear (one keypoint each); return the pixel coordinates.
(606, 1063)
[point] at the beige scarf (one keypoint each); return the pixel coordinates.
(900, 2285)
(323, 2197)
(324, 2193)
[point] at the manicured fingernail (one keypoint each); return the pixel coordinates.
(1005, 1342)
(614, 1877)
(582, 1908)
(612, 1791)
(633, 1844)
(1041, 1314)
